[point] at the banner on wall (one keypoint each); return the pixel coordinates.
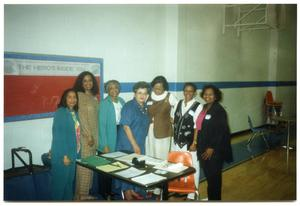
(33, 83)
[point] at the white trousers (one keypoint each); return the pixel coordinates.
(196, 165)
(158, 148)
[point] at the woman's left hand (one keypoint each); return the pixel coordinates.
(66, 160)
(136, 149)
(207, 154)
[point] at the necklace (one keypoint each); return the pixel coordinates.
(143, 109)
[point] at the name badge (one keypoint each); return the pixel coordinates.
(192, 113)
(149, 103)
(208, 116)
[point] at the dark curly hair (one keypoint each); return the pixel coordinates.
(190, 84)
(217, 92)
(63, 99)
(162, 80)
(78, 83)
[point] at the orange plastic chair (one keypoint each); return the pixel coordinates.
(272, 107)
(184, 185)
(270, 101)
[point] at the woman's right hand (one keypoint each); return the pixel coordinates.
(91, 142)
(193, 147)
(66, 160)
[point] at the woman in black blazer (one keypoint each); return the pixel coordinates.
(213, 140)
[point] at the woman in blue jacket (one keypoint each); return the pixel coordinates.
(134, 129)
(65, 146)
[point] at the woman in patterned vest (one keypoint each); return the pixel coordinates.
(186, 111)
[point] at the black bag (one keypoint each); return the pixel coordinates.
(29, 182)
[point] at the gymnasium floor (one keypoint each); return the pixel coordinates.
(264, 178)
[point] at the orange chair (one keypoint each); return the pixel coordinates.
(270, 101)
(184, 185)
(272, 107)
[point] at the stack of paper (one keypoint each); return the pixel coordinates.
(113, 154)
(148, 178)
(131, 172)
(151, 160)
(112, 167)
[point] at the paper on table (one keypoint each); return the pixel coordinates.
(171, 167)
(112, 167)
(148, 178)
(151, 160)
(130, 172)
(113, 154)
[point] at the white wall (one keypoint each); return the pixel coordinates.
(129, 38)
(287, 61)
(138, 42)
(32, 134)
(205, 54)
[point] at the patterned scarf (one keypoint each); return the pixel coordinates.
(77, 130)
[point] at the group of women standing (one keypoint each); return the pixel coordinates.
(152, 123)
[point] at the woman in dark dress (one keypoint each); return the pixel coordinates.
(213, 140)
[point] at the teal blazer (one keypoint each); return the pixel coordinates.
(107, 124)
(63, 143)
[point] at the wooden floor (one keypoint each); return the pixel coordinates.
(264, 178)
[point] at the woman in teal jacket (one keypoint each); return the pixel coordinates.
(109, 117)
(65, 146)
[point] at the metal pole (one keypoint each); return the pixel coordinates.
(288, 146)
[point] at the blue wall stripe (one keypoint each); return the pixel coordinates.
(28, 117)
(177, 86)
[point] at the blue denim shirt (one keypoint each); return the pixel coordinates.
(136, 117)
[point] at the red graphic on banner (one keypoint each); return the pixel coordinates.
(24, 95)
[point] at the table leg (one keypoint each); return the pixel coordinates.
(288, 146)
(165, 192)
